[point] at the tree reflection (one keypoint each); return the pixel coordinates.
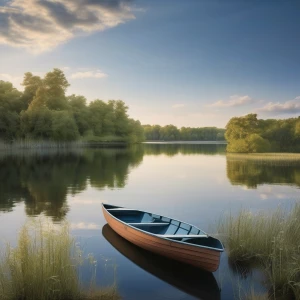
(184, 149)
(253, 173)
(43, 180)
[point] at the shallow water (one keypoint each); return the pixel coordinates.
(195, 183)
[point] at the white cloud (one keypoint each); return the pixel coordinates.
(83, 225)
(178, 105)
(40, 25)
(235, 100)
(288, 107)
(89, 74)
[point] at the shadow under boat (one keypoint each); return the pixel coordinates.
(189, 279)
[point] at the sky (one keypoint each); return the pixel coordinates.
(190, 63)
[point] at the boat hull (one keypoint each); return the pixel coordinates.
(207, 259)
(191, 280)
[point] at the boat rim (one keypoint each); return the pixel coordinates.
(161, 236)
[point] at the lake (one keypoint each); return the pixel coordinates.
(196, 183)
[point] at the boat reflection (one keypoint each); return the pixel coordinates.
(191, 280)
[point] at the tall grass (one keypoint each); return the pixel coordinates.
(269, 241)
(44, 144)
(44, 265)
(40, 144)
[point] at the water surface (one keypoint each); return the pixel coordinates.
(195, 183)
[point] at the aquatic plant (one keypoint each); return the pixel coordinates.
(270, 241)
(44, 265)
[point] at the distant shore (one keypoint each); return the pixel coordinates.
(265, 156)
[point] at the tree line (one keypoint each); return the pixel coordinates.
(44, 112)
(172, 133)
(248, 134)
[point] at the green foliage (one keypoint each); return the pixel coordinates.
(241, 128)
(80, 112)
(10, 106)
(44, 112)
(239, 146)
(172, 133)
(248, 134)
(31, 85)
(258, 144)
(37, 124)
(63, 126)
(136, 131)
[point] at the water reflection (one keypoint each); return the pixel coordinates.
(251, 173)
(43, 180)
(184, 149)
(190, 280)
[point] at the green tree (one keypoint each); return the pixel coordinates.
(121, 118)
(238, 146)
(37, 124)
(241, 128)
(97, 111)
(258, 144)
(31, 85)
(64, 126)
(80, 112)
(52, 92)
(10, 107)
(169, 133)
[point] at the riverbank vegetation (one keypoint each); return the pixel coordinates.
(172, 133)
(270, 242)
(44, 265)
(249, 135)
(43, 112)
(280, 159)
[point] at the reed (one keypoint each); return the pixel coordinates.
(48, 144)
(40, 144)
(44, 265)
(270, 241)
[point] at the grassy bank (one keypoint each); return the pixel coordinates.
(266, 158)
(269, 241)
(44, 265)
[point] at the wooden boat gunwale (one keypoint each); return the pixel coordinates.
(162, 236)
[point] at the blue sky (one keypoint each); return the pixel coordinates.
(189, 63)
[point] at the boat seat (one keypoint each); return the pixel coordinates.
(183, 235)
(149, 224)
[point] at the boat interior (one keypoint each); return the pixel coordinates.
(164, 227)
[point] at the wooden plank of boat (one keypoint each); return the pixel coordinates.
(165, 236)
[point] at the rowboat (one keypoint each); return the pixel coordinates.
(165, 236)
(191, 280)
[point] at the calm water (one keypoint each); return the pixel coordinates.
(192, 182)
